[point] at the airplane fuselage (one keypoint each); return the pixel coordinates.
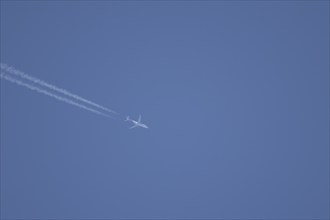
(139, 124)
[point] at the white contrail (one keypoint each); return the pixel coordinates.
(45, 92)
(16, 72)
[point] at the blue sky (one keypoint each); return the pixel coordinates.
(236, 95)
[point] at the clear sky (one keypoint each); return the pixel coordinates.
(236, 95)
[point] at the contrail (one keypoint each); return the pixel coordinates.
(45, 92)
(16, 72)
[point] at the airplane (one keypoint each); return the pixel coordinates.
(136, 123)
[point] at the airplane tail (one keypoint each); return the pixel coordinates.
(127, 118)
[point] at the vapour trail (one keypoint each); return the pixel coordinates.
(16, 72)
(45, 92)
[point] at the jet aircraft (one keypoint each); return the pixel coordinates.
(136, 123)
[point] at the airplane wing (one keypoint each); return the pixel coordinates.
(134, 126)
(139, 118)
